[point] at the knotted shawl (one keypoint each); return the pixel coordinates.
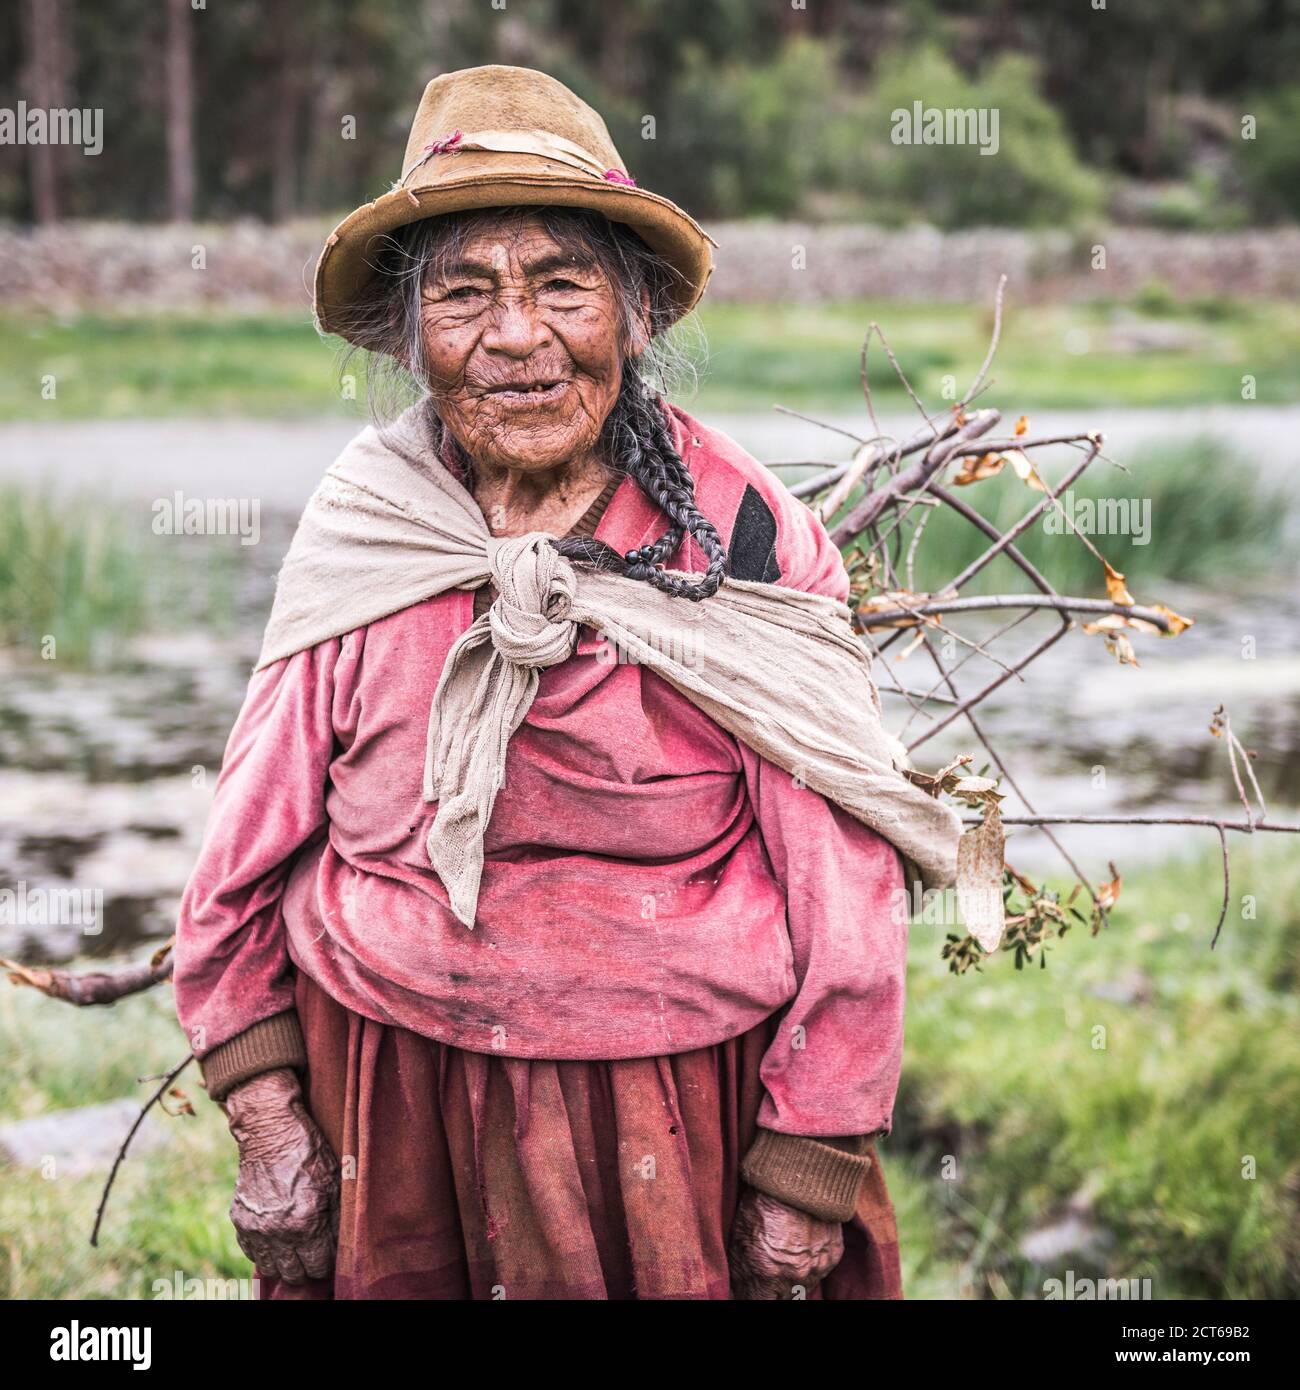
(779, 669)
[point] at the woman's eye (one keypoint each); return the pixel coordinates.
(561, 284)
(463, 292)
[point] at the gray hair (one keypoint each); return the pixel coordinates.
(387, 325)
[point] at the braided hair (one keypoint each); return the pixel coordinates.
(639, 445)
(636, 440)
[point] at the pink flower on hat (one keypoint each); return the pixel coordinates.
(443, 146)
(618, 176)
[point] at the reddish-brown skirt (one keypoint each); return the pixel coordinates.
(475, 1175)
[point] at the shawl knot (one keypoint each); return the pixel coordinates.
(529, 619)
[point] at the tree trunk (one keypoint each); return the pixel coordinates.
(284, 140)
(45, 84)
(180, 112)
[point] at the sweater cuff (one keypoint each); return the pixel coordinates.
(815, 1176)
(273, 1042)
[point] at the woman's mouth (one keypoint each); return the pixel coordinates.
(528, 394)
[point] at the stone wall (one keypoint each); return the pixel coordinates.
(248, 265)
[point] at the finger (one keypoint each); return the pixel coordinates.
(247, 1240)
(289, 1265)
(258, 1249)
(317, 1255)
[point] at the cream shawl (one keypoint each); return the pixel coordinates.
(779, 669)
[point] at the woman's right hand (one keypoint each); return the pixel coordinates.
(286, 1205)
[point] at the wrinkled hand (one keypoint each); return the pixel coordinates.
(778, 1250)
(285, 1209)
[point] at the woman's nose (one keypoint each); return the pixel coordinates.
(515, 326)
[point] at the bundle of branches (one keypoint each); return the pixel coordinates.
(877, 507)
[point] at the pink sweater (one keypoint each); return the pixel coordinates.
(651, 885)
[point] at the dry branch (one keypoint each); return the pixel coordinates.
(865, 517)
(94, 986)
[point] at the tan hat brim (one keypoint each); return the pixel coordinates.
(346, 263)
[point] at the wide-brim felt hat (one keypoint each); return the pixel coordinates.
(499, 136)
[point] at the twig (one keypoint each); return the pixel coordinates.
(1220, 721)
(131, 1133)
(867, 456)
(922, 694)
(974, 700)
(1002, 446)
(808, 419)
(95, 986)
(809, 487)
(1245, 827)
(1012, 554)
(1025, 521)
(994, 338)
(949, 671)
(914, 478)
(887, 617)
(1227, 886)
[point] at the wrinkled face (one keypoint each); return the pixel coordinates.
(523, 348)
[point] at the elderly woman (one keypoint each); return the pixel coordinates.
(545, 939)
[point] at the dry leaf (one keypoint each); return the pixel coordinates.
(1115, 587)
(911, 646)
(1022, 426)
(1025, 884)
(979, 879)
(183, 1105)
(1108, 893)
(1121, 649)
(975, 470)
(905, 599)
(1177, 623)
(1024, 470)
(975, 790)
(1111, 625)
(936, 782)
(962, 760)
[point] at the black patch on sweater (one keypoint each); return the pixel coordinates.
(752, 554)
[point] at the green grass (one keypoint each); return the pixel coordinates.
(804, 356)
(807, 356)
(77, 576)
(1001, 1072)
(132, 368)
(168, 1208)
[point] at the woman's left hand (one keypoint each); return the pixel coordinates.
(780, 1252)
